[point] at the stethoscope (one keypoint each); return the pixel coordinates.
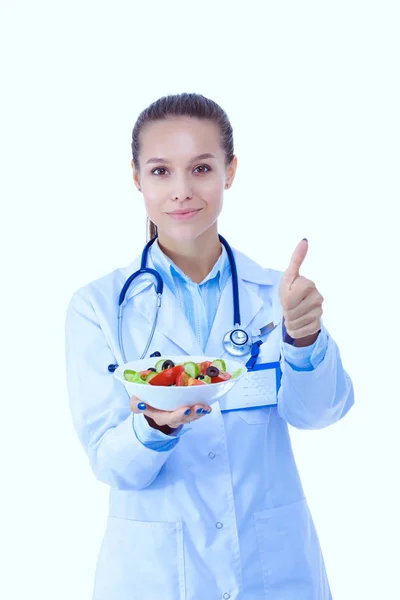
(237, 342)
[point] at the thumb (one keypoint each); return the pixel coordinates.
(298, 256)
(135, 402)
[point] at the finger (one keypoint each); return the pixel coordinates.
(310, 329)
(311, 301)
(200, 410)
(298, 256)
(135, 404)
(298, 324)
(196, 412)
(300, 290)
(181, 416)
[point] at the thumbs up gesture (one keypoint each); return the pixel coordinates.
(300, 300)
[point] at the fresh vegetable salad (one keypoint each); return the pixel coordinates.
(166, 373)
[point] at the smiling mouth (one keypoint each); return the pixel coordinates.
(184, 212)
(184, 215)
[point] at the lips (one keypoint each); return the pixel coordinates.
(184, 211)
(184, 215)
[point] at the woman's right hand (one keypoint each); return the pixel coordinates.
(168, 420)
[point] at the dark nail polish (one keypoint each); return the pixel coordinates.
(205, 411)
(305, 239)
(187, 412)
(199, 410)
(141, 406)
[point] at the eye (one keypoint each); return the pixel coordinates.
(198, 167)
(158, 169)
(203, 166)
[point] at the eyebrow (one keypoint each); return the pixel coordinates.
(164, 160)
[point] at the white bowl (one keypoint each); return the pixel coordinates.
(173, 397)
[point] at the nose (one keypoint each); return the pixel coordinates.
(182, 188)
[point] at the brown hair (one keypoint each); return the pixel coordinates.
(179, 105)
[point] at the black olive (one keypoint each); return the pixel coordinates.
(152, 369)
(212, 371)
(157, 353)
(167, 364)
(199, 377)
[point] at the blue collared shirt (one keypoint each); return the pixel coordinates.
(199, 302)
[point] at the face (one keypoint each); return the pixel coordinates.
(173, 178)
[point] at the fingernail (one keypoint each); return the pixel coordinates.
(141, 406)
(199, 410)
(187, 412)
(305, 239)
(205, 411)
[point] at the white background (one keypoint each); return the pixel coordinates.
(312, 91)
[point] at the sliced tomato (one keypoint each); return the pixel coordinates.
(221, 377)
(182, 378)
(167, 377)
(204, 366)
(195, 381)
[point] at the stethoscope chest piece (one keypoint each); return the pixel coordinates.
(237, 342)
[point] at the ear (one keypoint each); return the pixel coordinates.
(231, 171)
(135, 176)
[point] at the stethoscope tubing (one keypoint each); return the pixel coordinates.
(159, 290)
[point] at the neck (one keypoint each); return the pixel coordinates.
(196, 257)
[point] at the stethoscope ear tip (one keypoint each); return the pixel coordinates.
(112, 368)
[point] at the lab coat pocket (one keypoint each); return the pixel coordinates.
(291, 558)
(140, 560)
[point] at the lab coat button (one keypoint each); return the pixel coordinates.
(226, 596)
(219, 525)
(211, 455)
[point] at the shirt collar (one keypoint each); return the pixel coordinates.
(169, 270)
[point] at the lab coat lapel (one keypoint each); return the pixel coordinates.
(250, 306)
(171, 322)
(254, 312)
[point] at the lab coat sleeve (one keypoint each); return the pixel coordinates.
(100, 405)
(307, 358)
(322, 394)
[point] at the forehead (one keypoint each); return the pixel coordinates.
(180, 137)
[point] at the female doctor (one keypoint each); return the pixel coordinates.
(205, 502)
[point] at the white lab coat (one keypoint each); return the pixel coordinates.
(223, 514)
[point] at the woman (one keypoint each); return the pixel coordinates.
(205, 502)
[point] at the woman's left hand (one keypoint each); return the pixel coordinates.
(300, 300)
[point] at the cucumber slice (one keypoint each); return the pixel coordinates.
(159, 364)
(220, 364)
(133, 377)
(150, 376)
(191, 369)
(206, 379)
(237, 373)
(130, 375)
